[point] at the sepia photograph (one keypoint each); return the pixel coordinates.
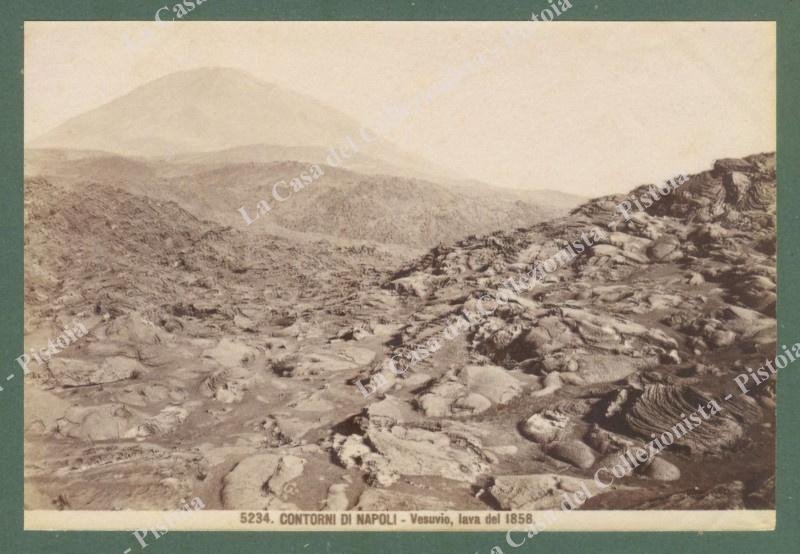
(399, 275)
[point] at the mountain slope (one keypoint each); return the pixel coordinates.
(213, 109)
(341, 204)
(385, 209)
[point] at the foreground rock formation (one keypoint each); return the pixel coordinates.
(223, 364)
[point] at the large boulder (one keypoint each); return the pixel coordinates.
(98, 423)
(546, 426)
(229, 353)
(573, 452)
(474, 391)
(262, 482)
(387, 454)
(537, 492)
(493, 382)
(77, 373)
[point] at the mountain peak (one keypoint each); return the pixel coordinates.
(200, 110)
(207, 109)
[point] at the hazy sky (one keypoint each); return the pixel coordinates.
(588, 108)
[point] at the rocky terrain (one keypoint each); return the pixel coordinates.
(223, 363)
(342, 203)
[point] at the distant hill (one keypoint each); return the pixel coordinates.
(546, 199)
(216, 109)
(342, 204)
(381, 208)
(266, 153)
(88, 165)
